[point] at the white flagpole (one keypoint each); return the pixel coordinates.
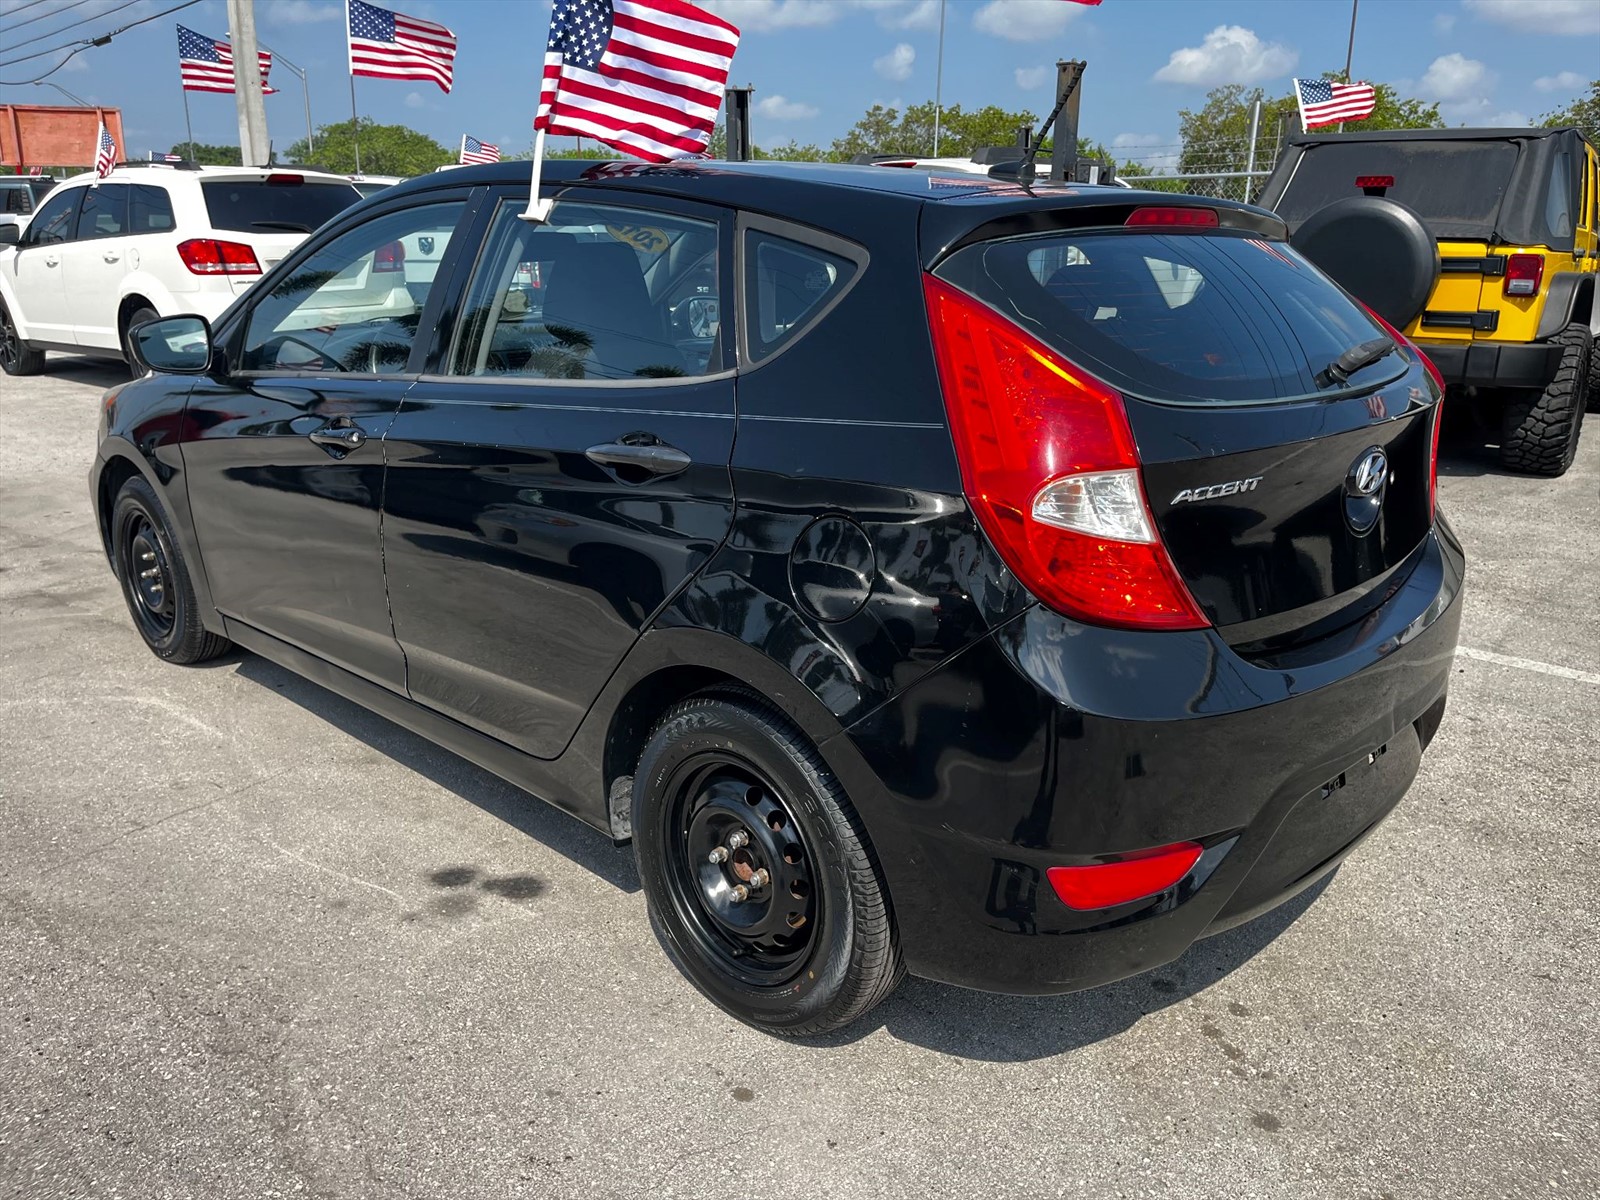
(461, 155)
(538, 211)
(1300, 103)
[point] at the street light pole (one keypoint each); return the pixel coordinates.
(73, 96)
(305, 88)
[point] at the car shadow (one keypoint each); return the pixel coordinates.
(551, 827)
(96, 372)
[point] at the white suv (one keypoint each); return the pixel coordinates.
(149, 240)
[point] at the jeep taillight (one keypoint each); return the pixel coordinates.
(211, 256)
(1049, 465)
(1524, 272)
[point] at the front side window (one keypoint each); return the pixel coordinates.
(787, 286)
(53, 222)
(597, 292)
(105, 211)
(16, 200)
(356, 303)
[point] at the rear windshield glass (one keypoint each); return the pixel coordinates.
(256, 206)
(1181, 318)
(1455, 187)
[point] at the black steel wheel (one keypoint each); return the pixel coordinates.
(155, 579)
(761, 884)
(16, 358)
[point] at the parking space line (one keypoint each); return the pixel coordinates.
(1528, 664)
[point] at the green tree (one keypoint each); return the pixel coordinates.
(209, 155)
(1584, 112)
(385, 150)
(889, 131)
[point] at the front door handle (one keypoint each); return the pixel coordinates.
(111, 256)
(636, 452)
(339, 437)
(51, 261)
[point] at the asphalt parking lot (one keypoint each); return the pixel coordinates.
(258, 942)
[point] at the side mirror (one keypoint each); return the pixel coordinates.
(174, 345)
(10, 233)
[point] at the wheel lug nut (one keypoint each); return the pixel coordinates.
(150, 574)
(740, 893)
(738, 838)
(147, 556)
(760, 878)
(719, 855)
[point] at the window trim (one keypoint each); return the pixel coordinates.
(804, 235)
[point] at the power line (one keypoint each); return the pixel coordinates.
(46, 16)
(27, 6)
(83, 44)
(43, 37)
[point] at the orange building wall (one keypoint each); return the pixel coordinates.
(40, 135)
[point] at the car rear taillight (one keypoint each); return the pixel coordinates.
(1524, 272)
(284, 179)
(1374, 185)
(1129, 877)
(391, 257)
(1050, 467)
(1438, 406)
(211, 256)
(1190, 218)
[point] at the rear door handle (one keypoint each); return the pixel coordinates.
(640, 452)
(339, 437)
(51, 261)
(111, 256)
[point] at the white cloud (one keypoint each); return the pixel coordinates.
(1454, 77)
(766, 15)
(415, 100)
(904, 14)
(1444, 22)
(1228, 54)
(1129, 141)
(302, 12)
(1540, 16)
(896, 64)
(780, 108)
(1025, 20)
(1565, 81)
(1029, 78)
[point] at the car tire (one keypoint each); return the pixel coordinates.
(1539, 430)
(16, 357)
(1594, 373)
(137, 317)
(815, 947)
(162, 604)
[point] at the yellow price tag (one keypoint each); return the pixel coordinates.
(640, 237)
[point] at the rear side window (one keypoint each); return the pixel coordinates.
(105, 211)
(257, 206)
(787, 287)
(1181, 318)
(17, 200)
(150, 210)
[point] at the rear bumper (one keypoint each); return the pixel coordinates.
(1494, 364)
(1051, 743)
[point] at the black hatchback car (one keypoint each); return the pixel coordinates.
(925, 574)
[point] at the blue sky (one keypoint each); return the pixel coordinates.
(818, 64)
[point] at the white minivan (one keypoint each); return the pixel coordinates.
(150, 240)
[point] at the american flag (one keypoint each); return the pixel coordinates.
(391, 45)
(1323, 102)
(105, 152)
(474, 151)
(206, 64)
(35, 171)
(645, 76)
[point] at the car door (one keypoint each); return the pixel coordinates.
(563, 470)
(34, 268)
(284, 451)
(92, 266)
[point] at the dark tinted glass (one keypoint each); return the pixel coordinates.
(18, 200)
(53, 221)
(787, 285)
(1456, 187)
(594, 293)
(256, 206)
(1183, 318)
(150, 210)
(105, 211)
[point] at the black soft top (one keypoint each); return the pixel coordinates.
(1506, 186)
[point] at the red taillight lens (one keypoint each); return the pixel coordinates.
(390, 258)
(1524, 272)
(1438, 406)
(1374, 181)
(282, 179)
(209, 256)
(1131, 877)
(1049, 465)
(1193, 218)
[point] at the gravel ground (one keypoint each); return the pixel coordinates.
(258, 942)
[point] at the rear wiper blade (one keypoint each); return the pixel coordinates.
(1353, 359)
(292, 226)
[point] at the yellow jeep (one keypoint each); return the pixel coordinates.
(1481, 245)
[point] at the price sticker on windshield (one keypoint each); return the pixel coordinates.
(641, 237)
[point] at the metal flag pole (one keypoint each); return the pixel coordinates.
(1350, 50)
(938, 83)
(355, 121)
(188, 126)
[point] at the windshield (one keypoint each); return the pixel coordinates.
(1182, 318)
(257, 206)
(1454, 186)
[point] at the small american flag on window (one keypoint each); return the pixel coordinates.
(474, 151)
(105, 152)
(1323, 102)
(206, 64)
(391, 45)
(645, 76)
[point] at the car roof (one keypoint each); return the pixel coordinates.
(148, 172)
(1433, 135)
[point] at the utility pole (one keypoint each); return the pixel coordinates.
(254, 147)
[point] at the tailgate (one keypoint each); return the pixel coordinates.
(1453, 305)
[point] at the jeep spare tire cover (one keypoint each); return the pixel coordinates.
(1377, 250)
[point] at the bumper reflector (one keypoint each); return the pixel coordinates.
(1131, 877)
